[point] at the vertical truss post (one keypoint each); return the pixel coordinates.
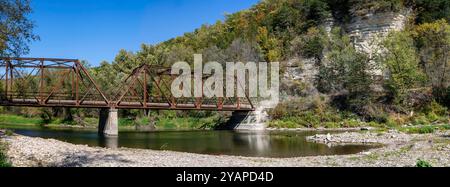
(41, 84)
(77, 82)
(158, 82)
(72, 80)
(172, 98)
(200, 99)
(6, 78)
(11, 81)
(145, 89)
(238, 100)
(220, 103)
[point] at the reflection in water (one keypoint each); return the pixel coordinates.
(109, 142)
(255, 144)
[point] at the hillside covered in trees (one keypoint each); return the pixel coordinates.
(403, 79)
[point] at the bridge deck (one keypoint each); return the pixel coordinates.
(123, 105)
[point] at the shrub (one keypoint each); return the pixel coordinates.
(9, 132)
(330, 125)
(442, 95)
(436, 109)
(310, 45)
(420, 120)
(3, 158)
(278, 112)
(426, 130)
(352, 123)
(283, 124)
(392, 122)
(423, 164)
(420, 130)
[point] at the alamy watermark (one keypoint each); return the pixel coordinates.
(236, 79)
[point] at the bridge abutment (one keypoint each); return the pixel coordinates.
(108, 122)
(244, 120)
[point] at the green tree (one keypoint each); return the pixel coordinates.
(347, 69)
(176, 53)
(431, 10)
(108, 78)
(401, 61)
(362, 7)
(310, 45)
(16, 30)
(314, 11)
(270, 45)
(151, 54)
(433, 41)
(125, 61)
(242, 51)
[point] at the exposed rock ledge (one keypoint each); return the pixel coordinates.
(400, 150)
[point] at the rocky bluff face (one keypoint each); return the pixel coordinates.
(365, 30)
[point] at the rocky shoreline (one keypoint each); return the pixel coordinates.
(399, 150)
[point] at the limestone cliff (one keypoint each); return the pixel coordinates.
(365, 30)
(299, 74)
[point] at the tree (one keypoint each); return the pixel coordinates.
(125, 61)
(310, 45)
(433, 40)
(151, 54)
(431, 10)
(346, 69)
(108, 78)
(361, 7)
(215, 54)
(270, 46)
(16, 30)
(177, 53)
(401, 61)
(242, 51)
(314, 12)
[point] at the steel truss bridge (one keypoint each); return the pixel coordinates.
(51, 82)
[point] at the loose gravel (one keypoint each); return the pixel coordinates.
(399, 150)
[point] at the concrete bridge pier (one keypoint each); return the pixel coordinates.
(108, 122)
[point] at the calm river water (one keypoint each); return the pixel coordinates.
(253, 144)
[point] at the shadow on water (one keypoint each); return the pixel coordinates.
(253, 144)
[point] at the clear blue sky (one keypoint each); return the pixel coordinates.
(95, 30)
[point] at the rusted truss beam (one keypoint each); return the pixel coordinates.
(55, 82)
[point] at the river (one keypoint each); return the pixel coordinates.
(274, 144)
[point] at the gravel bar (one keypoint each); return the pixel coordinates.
(399, 150)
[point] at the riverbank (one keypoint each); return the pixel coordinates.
(400, 150)
(125, 124)
(4, 162)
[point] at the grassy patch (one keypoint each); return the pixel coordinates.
(126, 122)
(10, 119)
(428, 129)
(187, 123)
(3, 158)
(162, 123)
(423, 164)
(19, 120)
